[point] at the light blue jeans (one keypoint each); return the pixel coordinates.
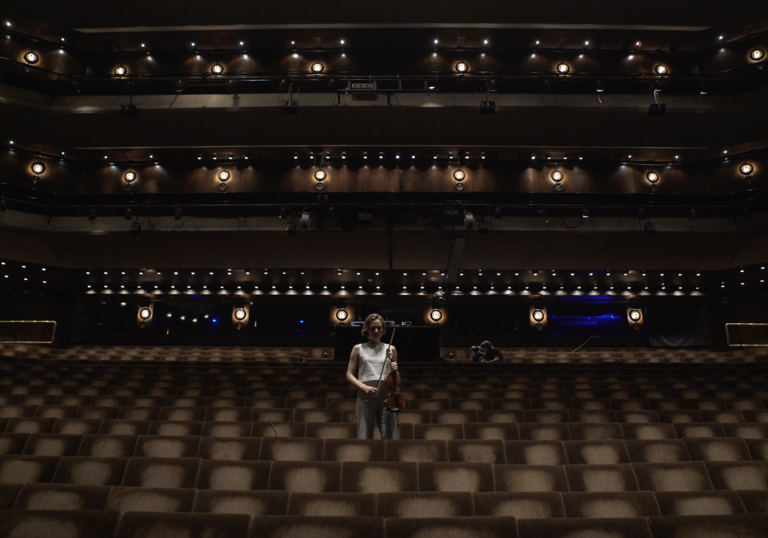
(369, 412)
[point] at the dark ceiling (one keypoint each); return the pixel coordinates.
(92, 14)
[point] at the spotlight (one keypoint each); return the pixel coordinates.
(585, 214)
(320, 175)
(145, 313)
(224, 175)
(538, 316)
(120, 70)
(634, 315)
(661, 69)
(342, 315)
(563, 68)
(130, 176)
(757, 54)
(653, 177)
(435, 315)
(462, 67)
(746, 169)
(217, 69)
(557, 175)
(31, 57)
(459, 175)
(38, 168)
(240, 314)
(600, 86)
(317, 68)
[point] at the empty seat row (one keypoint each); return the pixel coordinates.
(606, 451)
(528, 505)
(380, 477)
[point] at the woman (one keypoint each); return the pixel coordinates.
(364, 371)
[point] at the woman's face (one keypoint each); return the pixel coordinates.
(376, 329)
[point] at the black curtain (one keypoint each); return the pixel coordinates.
(676, 325)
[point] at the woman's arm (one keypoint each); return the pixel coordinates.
(354, 359)
(392, 358)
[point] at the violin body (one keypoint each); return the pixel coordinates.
(395, 400)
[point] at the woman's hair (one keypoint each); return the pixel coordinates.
(370, 319)
(486, 344)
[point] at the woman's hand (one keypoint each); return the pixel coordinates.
(371, 391)
(393, 365)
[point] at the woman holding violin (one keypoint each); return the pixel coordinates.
(368, 363)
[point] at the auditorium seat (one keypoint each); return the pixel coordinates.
(608, 452)
(488, 527)
(738, 475)
(61, 497)
(529, 478)
(58, 523)
(425, 505)
(700, 429)
(174, 428)
(544, 432)
(129, 499)
(469, 477)
(107, 446)
(718, 449)
(700, 503)
(161, 472)
(709, 526)
(214, 448)
(475, 451)
(332, 430)
(681, 476)
(277, 429)
(627, 504)
(597, 478)
(649, 431)
(363, 477)
(536, 452)
(250, 503)
(584, 527)
(159, 525)
(316, 527)
(305, 477)
(8, 495)
(12, 443)
(657, 451)
(23, 469)
(121, 427)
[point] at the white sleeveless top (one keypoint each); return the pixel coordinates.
(370, 362)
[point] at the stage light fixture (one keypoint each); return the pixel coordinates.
(342, 315)
(653, 177)
(317, 68)
(538, 316)
(120, 70)
(217, 69)
(240, 314)
(635, 315)
(462, 67)
(435, 315)
(661, 69)
(459, 175)
(224, 175)
(757, 54)
(459, 187)
(563, 68)
(38, 168)
(600, 87)
(130, 176)
(320, 175)
(557, 175)
(746, 169)
(145, 313)
(31, 57)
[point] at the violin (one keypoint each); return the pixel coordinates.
(395, 400)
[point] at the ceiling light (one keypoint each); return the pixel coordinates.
(240, 314)
(217, 69)
(224, 175)
(661, 69)
(435, 315)
(31, 57)
(653, 177)
(538, 315)
(320, 175)
(38, 168)
(120, 70)
(746, 169)
(634, 315)
(459, 175)
(145, 313)
(462, 67)
(557, 175)
(130, 176)
(317, 67)
(563, 68)
(757, 54)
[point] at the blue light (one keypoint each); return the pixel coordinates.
(301, 321)
(214, 320)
